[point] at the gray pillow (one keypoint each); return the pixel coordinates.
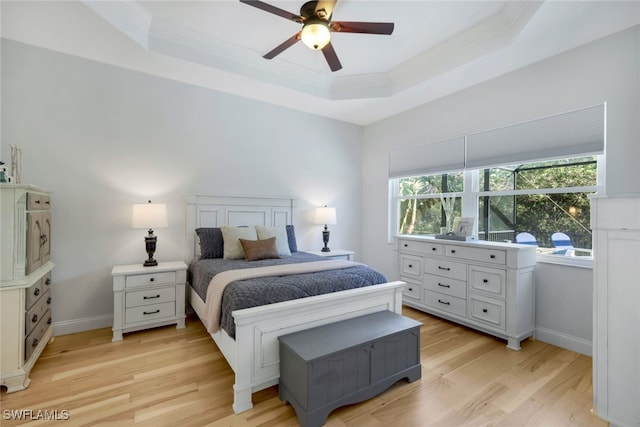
(211, 242)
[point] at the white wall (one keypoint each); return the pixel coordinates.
(102, 138)
(607, 70)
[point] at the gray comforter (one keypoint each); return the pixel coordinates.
(268, 290)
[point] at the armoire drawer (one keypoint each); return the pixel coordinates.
(488, 280)
(427, 248)
(491, 312)
(493, 256)
(444, 285)
(33, 293)
(38, 202)
(35, 336)
(454, 305)
(444, 268)
(36, 313)
(163, 278)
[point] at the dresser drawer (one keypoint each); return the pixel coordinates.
(33, 293)
(413, 290)
(420, 247)
(150, 312)
(411, 265)
(444, 268)
(150, 296)
(493, 256)
(35, 313)
(150, 279)
(457, 306)
(488, 311)
(35, 337)
(487, 280)
(444, 285)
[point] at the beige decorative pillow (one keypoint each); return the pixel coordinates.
(231, 235)
(280, 233)
(255, 250)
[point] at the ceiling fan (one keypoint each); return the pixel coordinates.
(317, 26)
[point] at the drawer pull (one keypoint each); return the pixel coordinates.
(406, 245)
(152, 279)
(433, 249)
(444, 302)
(48, 281)
(453, 251)
(492, 256)
(35, 343)
(49, 321)
(151, 297)
(410, 265)
(49, 300)
(34, 318)
(151, 312)
(410, 289)
(484, 310)
(485, 281)
(36, 292)
(37, 202)
(444, 268)
(444, 286)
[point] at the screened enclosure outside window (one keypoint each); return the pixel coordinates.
(540, 198)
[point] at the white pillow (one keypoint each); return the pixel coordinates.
(280, 233)
(230, 235)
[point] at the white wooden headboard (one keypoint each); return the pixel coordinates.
(216, 211)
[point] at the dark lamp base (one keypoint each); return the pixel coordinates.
(325, 249)
(150, 245)
(150, 263)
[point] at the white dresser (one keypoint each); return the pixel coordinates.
(146, 297)
(25, 281)
(487, 286)
(616, 331)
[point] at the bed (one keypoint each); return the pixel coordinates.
(251, 345)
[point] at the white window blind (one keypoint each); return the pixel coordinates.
(576, 133)
(438, 157)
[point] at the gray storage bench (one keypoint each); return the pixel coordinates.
(346, 362)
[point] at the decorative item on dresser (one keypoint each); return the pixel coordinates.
(146, 297)
(25, 281)
(616, 331)
(484, 285)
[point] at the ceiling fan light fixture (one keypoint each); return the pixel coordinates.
(315, 34)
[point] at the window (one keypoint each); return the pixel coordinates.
(539, 198)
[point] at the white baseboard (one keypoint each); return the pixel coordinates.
(66, 327)
(569, 342)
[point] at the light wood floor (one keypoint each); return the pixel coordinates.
(169, 377)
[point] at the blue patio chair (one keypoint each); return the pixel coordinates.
(526, 239)
(562, 244)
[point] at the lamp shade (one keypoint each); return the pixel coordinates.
(325, 215)
(149, 215)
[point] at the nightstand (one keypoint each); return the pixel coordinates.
(146, 297)
(336, 254)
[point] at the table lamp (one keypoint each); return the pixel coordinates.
(149, 215)
(325, 216)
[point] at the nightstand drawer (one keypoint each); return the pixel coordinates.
(150, 279)
(150, 312)
(457, 306)
(150, 296)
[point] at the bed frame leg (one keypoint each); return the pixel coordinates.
(241, 399)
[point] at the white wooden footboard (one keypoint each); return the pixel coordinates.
(254, 354)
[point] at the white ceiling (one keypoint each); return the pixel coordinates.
(437, 47)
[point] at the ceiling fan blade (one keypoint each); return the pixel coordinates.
(331, 57)
(275, 10)
(362, 27)
(327, 5)
(283, 46)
